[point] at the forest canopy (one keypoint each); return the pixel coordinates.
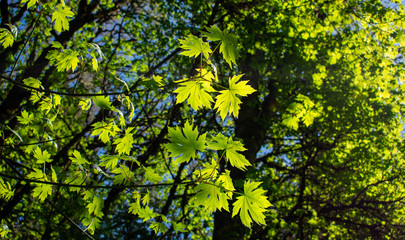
(225, 119)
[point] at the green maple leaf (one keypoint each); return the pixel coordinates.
(185, 142)
(42, 156)
(231, 148)
(146, 213)
(197, 95)
(6, 38)
(68, 59)
(60, 15)
(103, 102)
(77, 158)
(96, 207)
(194, 46)
(26, 118)
(151, 175)
(123, 175)
(211, 197)
(37, 174)
(228, 43)
(226, 182)
(291, 122)
(124, 144)
(228, 101)
(42, 191)
(91, 223)
(251, 204)
(109, 161)
(208, 170)
(105, 130)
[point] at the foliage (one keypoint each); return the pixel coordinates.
(195, 119)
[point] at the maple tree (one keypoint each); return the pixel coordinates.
(224, 119)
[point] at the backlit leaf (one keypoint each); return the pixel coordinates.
(60, 15)
(185, 142)
(252, 204)
(228, 101)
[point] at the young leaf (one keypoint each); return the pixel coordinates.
(60, 15)
(85, 104)
(42, 156)
(124, 144)
(194, 46)
(77, 158)
(5, 190)
(103, 102)
(158, 227)
(124, 175)
(251, 204)
(226, 181)
(231, 147)
(228, 43)
(146, 198)
(150, 175)
(65, 60)
(208, 170)
(185, 142)
(6, 38)
(197, 95)
(211, 197)
(95, 207)
(105, 130)
(26, 118)
(37, 174)
(228, 102)
(291, 122)
(109, 161)
(42, 191)
(135, 206)
(146, 213)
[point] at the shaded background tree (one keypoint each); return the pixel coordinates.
(322, 132)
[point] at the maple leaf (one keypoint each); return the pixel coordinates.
(77, 158)
(109, 161)
(124, 144)
(42, 191)
(60, 16)
(228, 43)
(184, 142)
(96, 207)
(26, 118)
(105, 130)
(225, 181)
(68, 59)
(231, 147)
(211, 197)
(251, 204)
(103, 102)
(151, 175)
(37, 174)
(228, 101)
(123, 176)
(291, 122)
(208, 170)
(194, 46)
(146, 213)
(197, 95)
(42, 156)
(6, 37)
